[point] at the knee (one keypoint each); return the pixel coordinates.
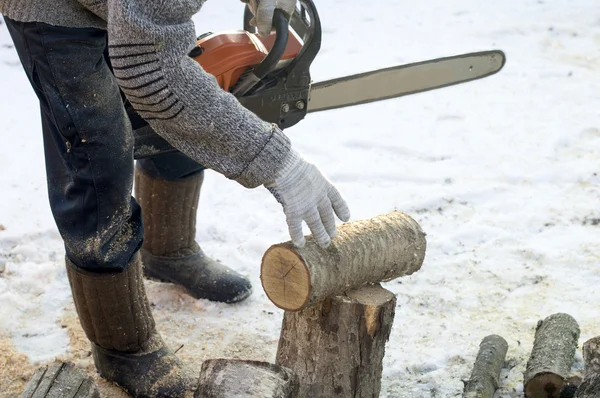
(170, 167)
(109, 248)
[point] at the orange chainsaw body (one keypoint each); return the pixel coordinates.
(228, 55)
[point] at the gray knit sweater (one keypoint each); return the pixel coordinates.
(148, 45)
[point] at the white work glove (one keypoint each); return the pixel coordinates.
(263, 13)
(306, 195)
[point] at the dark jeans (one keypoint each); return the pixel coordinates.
(88, 143)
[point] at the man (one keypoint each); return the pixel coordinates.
(88, 144)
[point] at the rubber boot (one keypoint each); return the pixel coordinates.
(115, 315)
(170, 252)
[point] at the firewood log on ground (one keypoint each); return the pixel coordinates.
(552, 356)
(484, 380)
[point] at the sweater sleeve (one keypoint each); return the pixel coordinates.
(148, 46)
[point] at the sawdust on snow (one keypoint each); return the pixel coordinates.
(15, 369)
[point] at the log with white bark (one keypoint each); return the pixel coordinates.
(363, 252)
(590, 386)
(60, 379)
(336, 346)
(232, 378)
(485, 376)
(552, 356)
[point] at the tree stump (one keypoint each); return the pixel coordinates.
(336, 346)
(230, 378)
(552, 356)
(62, 380)
(363, 252)
(485, 376)
(590, 386)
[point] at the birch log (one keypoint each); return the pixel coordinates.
(363, 252)
(485, 376)
(590, 386)
(233, 378)
(336, 346)
(552, 356)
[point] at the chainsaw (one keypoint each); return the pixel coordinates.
(270, 76)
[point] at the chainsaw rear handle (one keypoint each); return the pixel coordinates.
(282, 97)
(281, 24)
(305, 22)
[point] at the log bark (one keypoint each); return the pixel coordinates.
(60, 380)
(590, 386)
(552, 356)
(484, 380)
(231, 378)
(336, 347)
(363, 252)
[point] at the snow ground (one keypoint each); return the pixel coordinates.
(501, 173)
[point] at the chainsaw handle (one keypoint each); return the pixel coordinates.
(281, 97)
(247, 18)
(281, 24)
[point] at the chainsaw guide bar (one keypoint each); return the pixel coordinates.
(403, 80)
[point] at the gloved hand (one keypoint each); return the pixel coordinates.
(263, 12)
(306, 195)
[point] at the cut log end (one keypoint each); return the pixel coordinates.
(545, 385)
(285, 278)
(372, 297)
